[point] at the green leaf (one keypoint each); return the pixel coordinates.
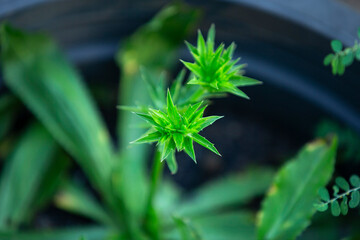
(23, 174)
(335, 208)
(334, 65)
(179, 140)
(342, 183)
(225, 192)
(36, 71)
(321, 207)
(187, 231)
(76, 199)
(324, 194)
(344, 206)
(243, 81)
(289, 205)
(207, 121)
(168, 147)
(171, 162)
(355, 181)
(204, 142)
(355, 199)
(149, 138)
(348, 59)
(211, 38)
(328, 59)
(237, 225)
(336, 45)
(236, 92)
(189, 148)
(173, 113)
(358, 32)
(357, 54)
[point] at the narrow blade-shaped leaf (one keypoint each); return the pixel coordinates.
(241, 81)
(22, 175)
(207, 121)
(171, 162)
(189, 148)
(149, 138)
(76, 199)
(221, 193)
(204, 142)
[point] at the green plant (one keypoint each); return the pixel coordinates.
(130, 203)
(342, 58)
(349, 140)
(343, 207)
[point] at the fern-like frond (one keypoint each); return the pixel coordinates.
(340, 202)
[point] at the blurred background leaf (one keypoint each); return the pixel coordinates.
(38, 73)
(227, 192)
(23, 174)
(77, 199)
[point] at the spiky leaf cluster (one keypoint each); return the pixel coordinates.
(340, 203)
(342, 58)
(214, 69)
(177, 130)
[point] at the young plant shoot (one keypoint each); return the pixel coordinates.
(176, 128)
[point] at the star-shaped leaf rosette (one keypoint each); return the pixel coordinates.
(177, 130)
(215, 70)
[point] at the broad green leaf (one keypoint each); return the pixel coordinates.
(36, 71)
(153, 46)
(90, 233)
(336, 45)
(76, 199)
(22, 175)
(289, 205)
(232, 190)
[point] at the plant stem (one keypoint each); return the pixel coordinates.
(151, 223)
